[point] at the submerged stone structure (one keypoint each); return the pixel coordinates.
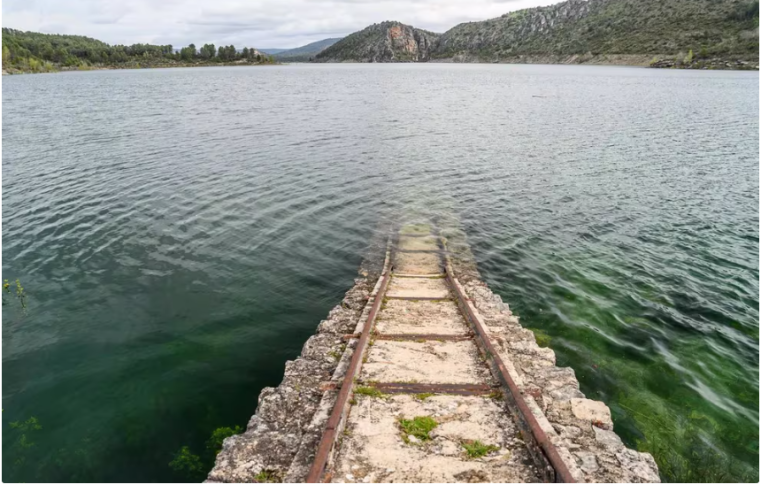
(443, 385)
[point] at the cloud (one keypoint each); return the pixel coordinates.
(263, 24)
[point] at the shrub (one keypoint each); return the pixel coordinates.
(219, 435)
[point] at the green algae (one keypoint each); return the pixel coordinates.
(542, 338)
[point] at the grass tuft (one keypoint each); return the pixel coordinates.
(368, 391)
(267, 476)
(423, 396)
(477, 449)
(418, 427)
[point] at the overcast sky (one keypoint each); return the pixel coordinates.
(257, 23)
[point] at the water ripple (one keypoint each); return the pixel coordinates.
(181, 232)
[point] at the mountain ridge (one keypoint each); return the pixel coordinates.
(306, 52)
(273, 51)
(692, 33)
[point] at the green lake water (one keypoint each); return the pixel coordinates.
(180, 233)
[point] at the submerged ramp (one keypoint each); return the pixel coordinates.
(436, 382)
(425, 407)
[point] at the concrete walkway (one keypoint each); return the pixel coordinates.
(425, 406)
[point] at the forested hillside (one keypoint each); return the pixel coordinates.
(636, 27)
(37, 52)
(687, 33)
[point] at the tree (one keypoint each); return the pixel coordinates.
(227, 53)
(208, 51)
(37, 51)
(188, 53)
(59, 55)
(222, 54)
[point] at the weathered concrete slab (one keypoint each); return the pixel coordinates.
(411, 242)
(423, 362)
(418, 287)
(422, 317)
(422, 228)
(418, 263)
(373, 449)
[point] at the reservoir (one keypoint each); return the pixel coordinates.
(181, 232)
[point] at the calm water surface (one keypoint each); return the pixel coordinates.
(181, 232)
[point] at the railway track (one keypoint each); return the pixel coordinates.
(426, 397)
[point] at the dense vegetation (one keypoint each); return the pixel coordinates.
(658, 27)
(37, 52)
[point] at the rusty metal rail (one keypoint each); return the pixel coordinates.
(330, 433)
(438, 388)
(411, 298)
(436, 275)
(423, 336)
(557, 471)
(430, 251)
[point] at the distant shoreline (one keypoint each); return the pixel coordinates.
(734, 62)
(132, 67)
(640, 61)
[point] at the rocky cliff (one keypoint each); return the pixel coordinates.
(388, 41)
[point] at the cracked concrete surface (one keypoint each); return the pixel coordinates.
(418, 287)
(418, 263)
(373, 449)
(390, 361)
(401, 317)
